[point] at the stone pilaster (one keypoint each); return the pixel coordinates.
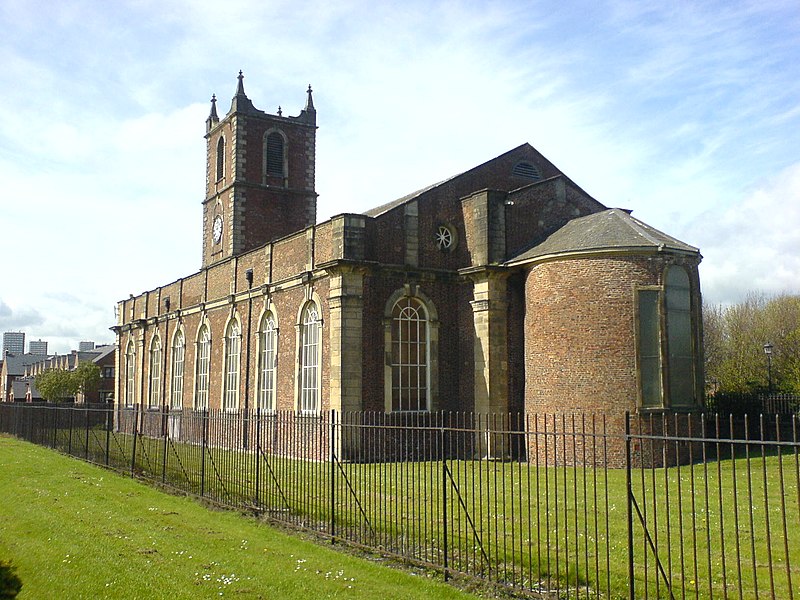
(345, 301)
(490, 318)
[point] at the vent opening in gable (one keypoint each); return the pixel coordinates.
(527, 170)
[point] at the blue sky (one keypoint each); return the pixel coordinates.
(686, 112)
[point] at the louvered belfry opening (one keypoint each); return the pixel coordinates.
(275, 154)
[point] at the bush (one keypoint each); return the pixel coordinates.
(10, 583)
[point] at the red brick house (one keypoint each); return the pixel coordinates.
(505, 288)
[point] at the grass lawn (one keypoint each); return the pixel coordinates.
(74, 530)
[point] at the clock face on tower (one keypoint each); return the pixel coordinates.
(216, 229)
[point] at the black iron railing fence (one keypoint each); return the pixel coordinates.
(725, 403)
(579, 506)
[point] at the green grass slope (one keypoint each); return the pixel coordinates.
(78, 531)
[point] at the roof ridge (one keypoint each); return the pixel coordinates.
(637, 225)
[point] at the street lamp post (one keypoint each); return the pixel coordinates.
(768, 351)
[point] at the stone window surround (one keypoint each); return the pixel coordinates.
(311, 300)
(200, 399)
(178, 365)
(268, 317)
(130, 373)
(154, 393)
(285, 170)
(231, 372)
(413, 291)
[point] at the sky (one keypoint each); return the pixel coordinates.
(686, 112)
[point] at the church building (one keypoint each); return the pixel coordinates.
(503, 289)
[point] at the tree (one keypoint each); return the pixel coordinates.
(55, 385)
(734, 338)
(86, 378)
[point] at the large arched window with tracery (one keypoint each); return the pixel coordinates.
(267, 344)
(410, 356)
(178, 357)
(154, 398)
(310, 348)
(233, 346)
(202, 362)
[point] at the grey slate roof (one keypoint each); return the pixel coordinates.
(20, 387)
(16, 363)
(103, 352)
(608, 230)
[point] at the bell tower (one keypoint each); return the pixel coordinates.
(259, 176)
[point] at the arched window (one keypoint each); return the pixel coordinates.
(201, 369)
(154, 398)
(267, 344)
(680, 363)
(178, 356)
(130, 375)
(274, 153)
(309, 388)
(233, 345)
(409, 356)
(220, 158)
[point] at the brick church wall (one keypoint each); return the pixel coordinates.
(578, 327)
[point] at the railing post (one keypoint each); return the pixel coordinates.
(69, 442)
(165, 429)
(56, 421)
(332, 442)
(204, 417)
(135, 437)
(444, 497)
(86, 413)
(629, 503)
(257, 455)
(109, 421)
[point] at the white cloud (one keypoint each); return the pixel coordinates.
(753, 245)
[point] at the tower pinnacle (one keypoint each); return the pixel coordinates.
(212, 119)
(240, 102)
(310, 101)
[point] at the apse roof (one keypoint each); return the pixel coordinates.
(608, 230)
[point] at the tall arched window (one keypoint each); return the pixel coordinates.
(233, 345)
(267, 344)
(274, 155)
(220, 158)
(680, 355)
(310, 327)
(154, 398)
(201, 369)
(409, 356)
(130, 375)
(178, 356)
